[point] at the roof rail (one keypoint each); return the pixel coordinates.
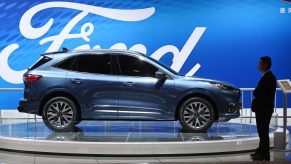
(64, 50)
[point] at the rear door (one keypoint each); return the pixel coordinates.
(92, 81)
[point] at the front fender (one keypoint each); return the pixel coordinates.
(197, 92)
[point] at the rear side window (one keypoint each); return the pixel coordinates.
(93, 64)
(40, 62)
(67, 63)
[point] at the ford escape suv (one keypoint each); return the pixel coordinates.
(67, 87)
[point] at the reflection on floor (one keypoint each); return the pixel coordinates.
(126, 131)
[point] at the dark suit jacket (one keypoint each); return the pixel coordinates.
(264, 94)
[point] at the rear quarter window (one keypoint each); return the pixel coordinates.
(40, 62)
(67, 63)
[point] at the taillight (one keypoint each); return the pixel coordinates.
(31, 78)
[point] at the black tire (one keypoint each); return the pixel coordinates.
(196, 115)
(60, 114)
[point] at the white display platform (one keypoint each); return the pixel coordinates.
(122, 139)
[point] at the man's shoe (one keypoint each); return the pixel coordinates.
(258, 157)
(253, 154)
(267, 158)
(256, 152)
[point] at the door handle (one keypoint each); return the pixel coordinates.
(129, 84)
(76, 81)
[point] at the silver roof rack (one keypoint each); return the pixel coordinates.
(64, 50)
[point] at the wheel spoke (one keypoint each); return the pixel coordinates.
(190, 109)
(189, 119)
(60, 104)
(205, 115)
(197, 123)
(203, 123)
(192, 106)
(59, 122)
(67, 109)
(198, 105)
(206, 119)
(68, 116)
(53, 121)
(203, 108)
(54, 107)
(51, 116)
(63, 121)
(66, 119)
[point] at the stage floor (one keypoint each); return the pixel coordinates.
(128, 138)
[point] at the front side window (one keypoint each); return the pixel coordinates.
(133, 66)
(93, 64)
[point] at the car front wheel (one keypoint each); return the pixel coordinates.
(60, 114)
(196, 115)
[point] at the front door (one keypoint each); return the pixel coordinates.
(141, 95)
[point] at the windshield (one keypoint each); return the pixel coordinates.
(162, 64)
(165, 66)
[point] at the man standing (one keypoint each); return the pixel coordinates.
(263, 106)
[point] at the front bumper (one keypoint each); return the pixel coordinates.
(234, 107)
(232, 111)
(229, 105)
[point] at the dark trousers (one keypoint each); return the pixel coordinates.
(263, 119)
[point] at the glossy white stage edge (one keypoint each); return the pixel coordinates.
(129, 138)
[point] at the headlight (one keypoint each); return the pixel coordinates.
(220, 86)
(224, 87)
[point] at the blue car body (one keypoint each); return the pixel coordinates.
(115, 96)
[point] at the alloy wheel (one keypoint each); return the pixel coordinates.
(196, 115)
(60, 114)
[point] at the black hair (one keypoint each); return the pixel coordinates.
(267, 60)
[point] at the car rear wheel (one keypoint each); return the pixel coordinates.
(196, 115)
(60, 114)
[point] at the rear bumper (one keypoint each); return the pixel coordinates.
(22, 105)
(26, 107)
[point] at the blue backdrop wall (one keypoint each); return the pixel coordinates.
(217, 39)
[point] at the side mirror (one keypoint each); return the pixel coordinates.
(160, 75)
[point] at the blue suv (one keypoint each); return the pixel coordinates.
(69, 86)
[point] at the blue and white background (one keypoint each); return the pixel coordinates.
(217, 39)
